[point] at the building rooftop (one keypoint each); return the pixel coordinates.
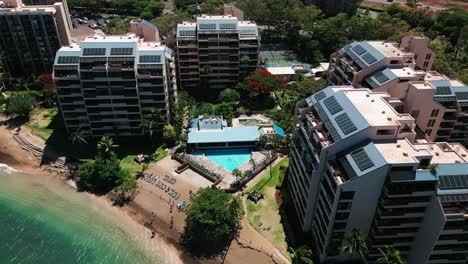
(281, 70)
(346, 111)
(389, 50)
(215, 130)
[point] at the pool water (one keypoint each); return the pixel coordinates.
(230, 159)
(248, 122)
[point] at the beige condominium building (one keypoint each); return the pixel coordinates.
(354, 63)
(31, 35)
(356, 163)
(108, 84)
(216, 51)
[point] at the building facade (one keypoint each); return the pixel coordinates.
(215, 51)
(108, 84)
(31, 35)
(355, 163)
(353, 64)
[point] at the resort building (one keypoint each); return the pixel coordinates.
(440, 106)
(31, 35)
(213, 132)
(108, 84)
(358, 61)
(355, 163)
(215, 51)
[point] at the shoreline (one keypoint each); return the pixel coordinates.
(148, 206)
(16, 159)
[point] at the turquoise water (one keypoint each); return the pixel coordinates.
(230, 159)
(48, 222)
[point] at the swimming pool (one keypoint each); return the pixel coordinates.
(230, 159)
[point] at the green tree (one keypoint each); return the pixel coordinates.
(229, 95)
(168, 22)
(116, 27)
(127, 190)
(212, 221)
(169, 134)
(102, 174)
(301, 255)
(390, 255)
(106, 144)
(354, 244)
(79, 137)
(20, 104)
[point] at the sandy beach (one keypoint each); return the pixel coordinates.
(150, 209)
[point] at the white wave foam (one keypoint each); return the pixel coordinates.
(7, 169)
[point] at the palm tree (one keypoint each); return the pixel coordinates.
(354, 243)
(252, 162)
(148, 126)
(79, 137)
(301, 255)
(106, 144)
(390, 255)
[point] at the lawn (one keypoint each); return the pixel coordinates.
(129, 165)
(40, 121)
(266, 212)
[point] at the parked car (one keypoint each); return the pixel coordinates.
(82, 21)
(93, 26)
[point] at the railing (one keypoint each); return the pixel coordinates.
(213, 177)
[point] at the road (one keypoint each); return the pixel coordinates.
(386, 2)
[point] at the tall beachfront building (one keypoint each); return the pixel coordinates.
(354, 63)
(438, 104)
(108, 84)
(31, 35)
(216, 51)
(356, 163)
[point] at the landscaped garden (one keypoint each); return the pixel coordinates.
(40, 120)
(265, 215)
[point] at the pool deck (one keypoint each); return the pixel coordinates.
(263, 120)
(228, 176)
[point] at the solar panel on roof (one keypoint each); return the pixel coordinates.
(320, 111)
(454, 197)
(369, 58)
(358, 49)
(332, 130)
(461, 95)
(453, 182)
(443, 90)
(332, 105)
(381, 77)
(362, 159)
(320, 95)
(444, 99)
(345, 123)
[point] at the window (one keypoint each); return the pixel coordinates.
(227, 26)
(394, 62)
(428, 132)
(248, 32)
(415, 114)
(435, 113)
(94, 51)
(121, 51)
(428, 56)
(150, 58)
(382, 132)
(207, 26)
(426, 63)
(67, 59)
(187, 33)
(431, 123)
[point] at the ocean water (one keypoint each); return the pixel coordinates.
(42, 220)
